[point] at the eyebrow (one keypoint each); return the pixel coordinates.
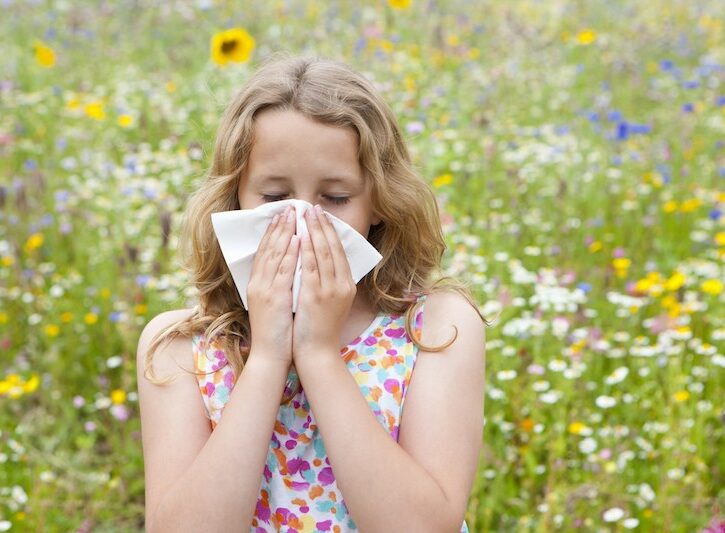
(336, 179)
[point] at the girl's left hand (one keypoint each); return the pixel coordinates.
(327, 291)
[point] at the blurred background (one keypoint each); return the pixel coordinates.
(577, 150)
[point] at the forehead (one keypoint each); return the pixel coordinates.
(287, 144)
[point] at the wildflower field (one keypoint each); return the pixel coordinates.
(577, 150)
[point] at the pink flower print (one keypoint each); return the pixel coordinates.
(229, 379)
(325, 477)
(263, 512)
(210, 388)
(325, 525)
(395, 333)
(371, 340)
(393, 387)
(297, 464)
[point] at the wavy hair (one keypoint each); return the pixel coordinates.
(409, 236)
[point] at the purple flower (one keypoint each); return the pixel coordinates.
(716, 525)
(119, 412)
(78, 401)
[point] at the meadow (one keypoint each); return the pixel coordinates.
(577, 150)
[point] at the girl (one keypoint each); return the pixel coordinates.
(328, 383)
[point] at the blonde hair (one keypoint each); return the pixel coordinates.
(409, 236)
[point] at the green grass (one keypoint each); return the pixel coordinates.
(544, 197)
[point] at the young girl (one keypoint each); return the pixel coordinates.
(295, 423)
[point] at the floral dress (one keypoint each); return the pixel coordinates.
(298, 491)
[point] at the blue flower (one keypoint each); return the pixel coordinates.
(688, 108)
(614, 115)
(584, 286)
(622, 131)
(666, 64)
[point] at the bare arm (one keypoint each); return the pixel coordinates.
(198, 479)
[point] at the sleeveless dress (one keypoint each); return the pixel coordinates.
(298, 491)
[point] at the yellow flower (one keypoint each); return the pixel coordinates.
(621, 263)
(105, 293)
(670, 206)
(66, 316)
(74, 103)
(453, 40)
(595, 246)
(681, 396)
(3, 318)
(44, 54)
(34, 242)
(474, 53)
(577, 427)
(720, 238)
(712, 286)
(95, 110)
(7, 260)
(52, 330)
(690, 205)
(643, 285)
(385, 45)
(118, 396)
(443, 179)
(409, 83)
(170, 87)
(399, 4)
(125, 120)
(232, 45)
(31, 384)
(140, 309)
(675, 281)
(90, 318)
(586, 36)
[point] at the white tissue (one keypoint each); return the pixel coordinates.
(240, 232)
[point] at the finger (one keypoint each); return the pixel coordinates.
(276, 249)
(286, 270)
(310, 272)
(321, 248)
(339, 258)
(264, 242)
(278, 238)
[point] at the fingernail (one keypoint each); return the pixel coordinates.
(291, 215)
(318, 209)
(313, 213)
(274, 218)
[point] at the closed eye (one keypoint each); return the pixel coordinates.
(339, 200)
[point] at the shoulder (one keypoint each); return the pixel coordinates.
(167, 356)
(444, 312)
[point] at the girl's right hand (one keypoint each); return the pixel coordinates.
(269, 291)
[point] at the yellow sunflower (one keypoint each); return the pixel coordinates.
(234, 44)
